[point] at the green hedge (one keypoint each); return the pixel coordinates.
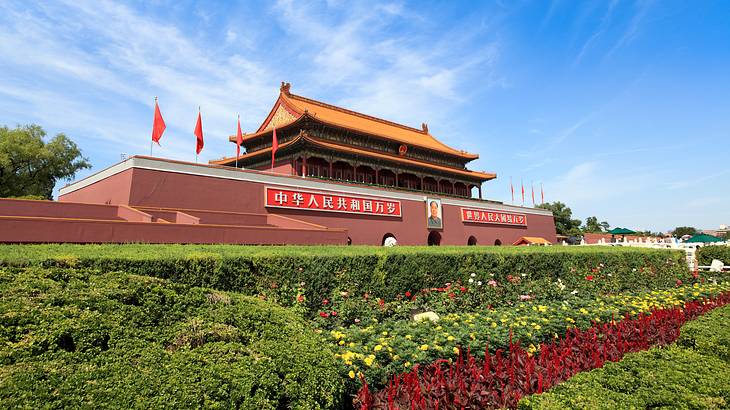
(709, 334)
(318, 273)
(692, 374)
(706, 254)
(78, 338)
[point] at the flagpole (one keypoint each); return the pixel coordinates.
(237, 146)
(151, 141)
(196, 148)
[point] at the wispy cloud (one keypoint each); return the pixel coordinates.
(633, 28)
(602, 27)
(120, 54)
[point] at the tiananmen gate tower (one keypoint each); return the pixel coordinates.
(339, 177)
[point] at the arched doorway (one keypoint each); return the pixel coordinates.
(389, 240)
(472, 241)
(434, 238)
(497, 242)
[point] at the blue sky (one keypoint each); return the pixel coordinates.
(621, 109)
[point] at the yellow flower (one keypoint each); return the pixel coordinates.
(369, 360)
(351, 374)
(537, 327)
(378, 348)
(409, 337)
(407, 364)
(450, 338)
(341, 343)
(494, 324)
(424, 347)
(456, 350)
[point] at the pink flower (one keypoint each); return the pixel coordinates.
(325, 301)
(525, 297)
(300, 298)
(679, 282)
(357, 320)
(334, 313)
(381, 302)
(492, 283)
(324, 314)
(408, 294)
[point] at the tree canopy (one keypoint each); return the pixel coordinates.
(31, 166)
(593, 226)
(680, 231)
(564, 222)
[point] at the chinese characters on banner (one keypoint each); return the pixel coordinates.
(317, 201)
(492, 217)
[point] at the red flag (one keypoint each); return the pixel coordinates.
(274, 147)
(533, 193)
(199, 134)
(158, 125)
(542, 194)
(512, 189)
(239, 139)
(523, 192)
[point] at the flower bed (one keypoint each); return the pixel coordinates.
(380, 350)
(693, 373)
(502, 379)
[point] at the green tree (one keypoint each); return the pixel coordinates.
(680, 231)
(31, 166)
(593, 226)
(564, 222)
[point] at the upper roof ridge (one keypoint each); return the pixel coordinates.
(423, 130)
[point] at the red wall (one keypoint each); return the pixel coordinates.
(182, 191)
(113, 190)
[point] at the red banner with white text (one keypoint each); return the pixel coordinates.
(493, 217)
(318, 201)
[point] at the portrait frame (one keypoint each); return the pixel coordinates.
(434, 222)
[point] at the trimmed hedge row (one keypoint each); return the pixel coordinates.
(285, 274)
(706, 254)
(79, 338)
(693, 373)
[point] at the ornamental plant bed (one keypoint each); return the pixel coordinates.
(354, 279)
(502, 379)
(693, 373)
(380, 350)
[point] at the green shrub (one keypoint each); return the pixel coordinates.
(282, 274)
(80, 338)
(709, 334)
(706, 254)
(692, 374)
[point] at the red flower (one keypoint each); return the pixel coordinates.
(408, 294)
(594, 270)
(679, 282)
(381, 302)
(463, 289)
(324, 314)
(300, 298)
(451, 295)
(589, 277)
(325, 301)
(334, 313)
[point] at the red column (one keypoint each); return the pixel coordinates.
(377, 180)
(331, 176)
(396, 178)
(304, 166)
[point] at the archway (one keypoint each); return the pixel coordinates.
(497, 242)
(389, 240)
(434, 238)
(472, 241)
